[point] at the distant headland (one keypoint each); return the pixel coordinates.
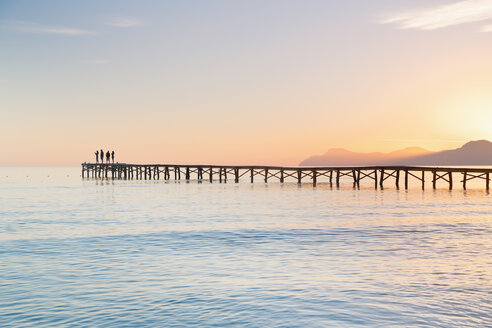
(472, 153)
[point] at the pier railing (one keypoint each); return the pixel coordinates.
(222, 174)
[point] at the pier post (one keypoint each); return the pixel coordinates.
(397, 179)
(281, 175)
(381, 179)
(252, 172)
(338, 178)
(423, 180)
(464, 180)
(315, 173)
(354, 177)
(487, 181)
(331, 178)
(299, 176)
(434, 179)
(450, 178)
(406, 179)
(236, 175)
(187, 173)
(266, 174)
(211, 174)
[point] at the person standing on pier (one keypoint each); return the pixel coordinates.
(102, 156)
(97, 156)
(107, 156)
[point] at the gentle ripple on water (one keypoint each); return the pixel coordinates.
(143, 254)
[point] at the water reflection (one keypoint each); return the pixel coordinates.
(147, 253)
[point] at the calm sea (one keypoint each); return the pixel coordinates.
(85, 253)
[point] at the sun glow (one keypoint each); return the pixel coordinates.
(468, 115)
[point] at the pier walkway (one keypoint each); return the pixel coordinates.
(222, 174)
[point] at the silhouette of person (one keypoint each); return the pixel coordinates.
(107, 156)
(97, 156)
(112, 156)
(102, 156)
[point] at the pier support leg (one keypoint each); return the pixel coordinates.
(236, 175)
(450, 178)
(281, 175)
(252, 172)
(406, 179)
(211, 174)
(397, 179)
(266, 175)
(315, 173)
(487, 181)
(464, 180)
(423, 180)
(187, 174)
(299, 176)
(338, 178)
(434, 179)
(381, 179)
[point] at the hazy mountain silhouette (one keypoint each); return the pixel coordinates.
(472, 153)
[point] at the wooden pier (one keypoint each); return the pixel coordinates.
(377, 175)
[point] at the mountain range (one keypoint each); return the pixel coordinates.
(472, 153)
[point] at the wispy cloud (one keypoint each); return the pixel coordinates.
(487, 28)
(37, 28)
(124, 22)
(468, 11)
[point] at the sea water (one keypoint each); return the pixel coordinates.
(89, 253)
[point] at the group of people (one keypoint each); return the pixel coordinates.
(109, 155)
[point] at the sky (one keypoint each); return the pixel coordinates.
(240, 82)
